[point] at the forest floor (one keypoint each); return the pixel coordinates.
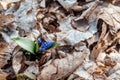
(87, 31)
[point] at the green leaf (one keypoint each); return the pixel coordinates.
(25, 43)
(20, 77)
(36, 46)
(55, 45)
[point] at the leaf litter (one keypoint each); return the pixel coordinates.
(88, 33)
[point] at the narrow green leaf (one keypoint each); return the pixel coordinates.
(25, 43)
(55, 45)
(36, 46)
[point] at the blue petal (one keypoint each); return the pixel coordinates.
(39, 41)
(42, 49)
(47, 45)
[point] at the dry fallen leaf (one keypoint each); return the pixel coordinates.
(63, 67)
(17, 62)
(111, 15)
(6, 20)
(4, 56)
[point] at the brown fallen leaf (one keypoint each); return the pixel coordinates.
(97, 49)
(102, 44)
(6, 20)
(111, 15)
(3, 55)
(17, 62)
(61, 68)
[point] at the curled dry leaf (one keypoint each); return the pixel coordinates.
(102, 44)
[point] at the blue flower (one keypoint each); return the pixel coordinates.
(39, 41)
(47, 45)
(42, 49)
(44, 45)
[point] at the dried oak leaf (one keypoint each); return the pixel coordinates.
(61, 68)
